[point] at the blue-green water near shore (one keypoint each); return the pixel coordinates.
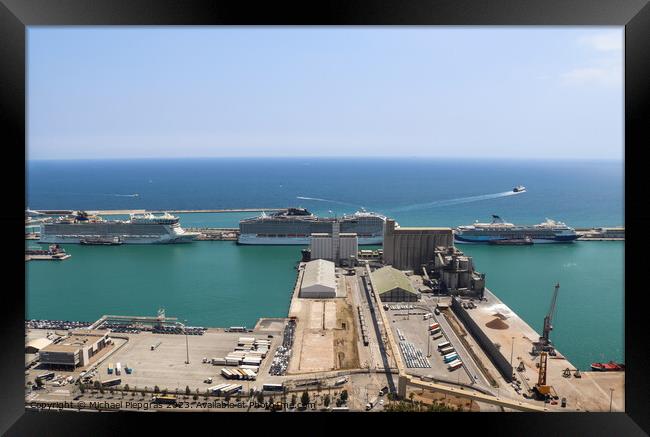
(222, 284)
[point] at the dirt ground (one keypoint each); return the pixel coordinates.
(345, 336)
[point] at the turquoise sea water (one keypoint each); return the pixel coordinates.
(222, 284)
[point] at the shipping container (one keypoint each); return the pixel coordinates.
(450, 355)
(447, 350)
(272, 387)
(452, 358)
(111, 382)
(454, 365)
(217, 388)
(443, 345)
(249, 367)
(165, 399)
(232, 389)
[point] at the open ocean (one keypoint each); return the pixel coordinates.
(222, 284)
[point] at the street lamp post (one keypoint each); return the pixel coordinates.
(611, 394)
(512, 352)
(187, 344)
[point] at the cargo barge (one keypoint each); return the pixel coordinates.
(54, 252)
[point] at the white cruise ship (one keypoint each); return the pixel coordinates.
(139, 229)
(549, 231)
(294, 226)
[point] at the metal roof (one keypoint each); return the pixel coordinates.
(319, 272)
(388, 278)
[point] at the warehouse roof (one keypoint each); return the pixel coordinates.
(319, 272)
(38, 343)
(388, 278)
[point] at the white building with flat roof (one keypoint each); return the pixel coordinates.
(318, 280)
(337, 247)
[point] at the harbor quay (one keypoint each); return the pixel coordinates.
(336, 343)
(411, 323)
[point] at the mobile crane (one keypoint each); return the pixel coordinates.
(544, 343)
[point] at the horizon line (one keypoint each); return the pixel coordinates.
(380, 157)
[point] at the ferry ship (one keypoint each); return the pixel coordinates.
(293, 226)
(139, 229)
(549, 231)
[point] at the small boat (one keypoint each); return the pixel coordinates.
(519, 189)
(608, 367)
(526, 241)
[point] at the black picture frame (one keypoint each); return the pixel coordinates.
(15, 15)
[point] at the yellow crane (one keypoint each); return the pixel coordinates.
(541, 389)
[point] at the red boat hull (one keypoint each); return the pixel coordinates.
(608, 367)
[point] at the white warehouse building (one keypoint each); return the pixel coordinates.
(318, 280)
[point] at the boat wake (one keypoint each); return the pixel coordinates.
(456, 201)
(327, 200)
(124, 195)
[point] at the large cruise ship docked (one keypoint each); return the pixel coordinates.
(295, 225)
(139, 229)
(548, 232)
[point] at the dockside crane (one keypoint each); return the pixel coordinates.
(544, 344)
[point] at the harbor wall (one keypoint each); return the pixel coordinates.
(497, 358)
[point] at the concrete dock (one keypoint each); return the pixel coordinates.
(515, 337)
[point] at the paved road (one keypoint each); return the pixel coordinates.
(469, 365)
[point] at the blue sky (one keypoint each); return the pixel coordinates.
(500, 92)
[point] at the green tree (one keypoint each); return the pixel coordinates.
(304, 399)
(97, 385)
(187, 390)
(156, 389)
(326, 401)
(39, 382)
(294, 399)
(195, 397)
(82, 387)
(260, 397)
(344, 395)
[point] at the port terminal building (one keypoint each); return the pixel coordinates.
(76, 350)
(392, 285)
(318, 280)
